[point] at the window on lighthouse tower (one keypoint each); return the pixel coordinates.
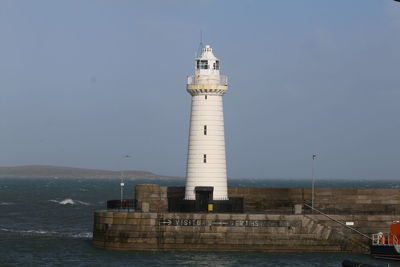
(216, 65)
(202, 64)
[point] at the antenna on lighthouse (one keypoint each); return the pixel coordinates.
(201, 45)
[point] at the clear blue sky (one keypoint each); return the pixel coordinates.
(84, 82)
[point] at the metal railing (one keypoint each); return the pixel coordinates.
(342, 224)
(117, 204)
(194, 79)
(381, 239)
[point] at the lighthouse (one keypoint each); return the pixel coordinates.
(206, 178)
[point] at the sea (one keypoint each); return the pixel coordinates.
(49, 222)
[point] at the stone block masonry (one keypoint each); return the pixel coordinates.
(226, 232)
(365, 201)
(269, 222)
(233, 232)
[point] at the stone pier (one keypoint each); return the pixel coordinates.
(274, 220)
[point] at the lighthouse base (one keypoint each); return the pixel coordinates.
(204, 203)
(234, 205)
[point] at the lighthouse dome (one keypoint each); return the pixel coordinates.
(207, 73)
(207, 53)
(207, 65)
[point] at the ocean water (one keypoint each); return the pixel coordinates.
(48, 222)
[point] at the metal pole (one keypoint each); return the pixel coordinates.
(122, 187)
(122, 184)
(312, 182)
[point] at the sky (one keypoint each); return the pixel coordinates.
(84, 82)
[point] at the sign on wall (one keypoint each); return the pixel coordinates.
(235, 223)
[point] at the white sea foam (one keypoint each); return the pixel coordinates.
(38, 232)
(69, 201)
(6, 203)
(83, 235)
(83, 203)
(34, 232)
(41, 232)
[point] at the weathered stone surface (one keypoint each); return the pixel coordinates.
(298, 209)
(268, 224)
(283, 200)
(142, 231)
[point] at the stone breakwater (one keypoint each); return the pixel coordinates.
(274, 220)
(367, 201)
(232, 232)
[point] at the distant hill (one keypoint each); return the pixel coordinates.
(39, 171)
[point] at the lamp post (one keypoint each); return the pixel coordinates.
(122, 184)
(312, 181)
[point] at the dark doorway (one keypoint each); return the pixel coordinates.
(204, 195)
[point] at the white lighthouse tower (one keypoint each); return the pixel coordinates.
(206, 161)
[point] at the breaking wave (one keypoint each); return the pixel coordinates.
(83, 235)
(6, 203)
(69, 201)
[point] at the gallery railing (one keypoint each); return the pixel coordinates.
(195, 79)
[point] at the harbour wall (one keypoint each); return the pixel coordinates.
(274, 220)
(232, 232)
(367, 201)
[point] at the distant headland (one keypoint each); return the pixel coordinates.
(42, 171)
